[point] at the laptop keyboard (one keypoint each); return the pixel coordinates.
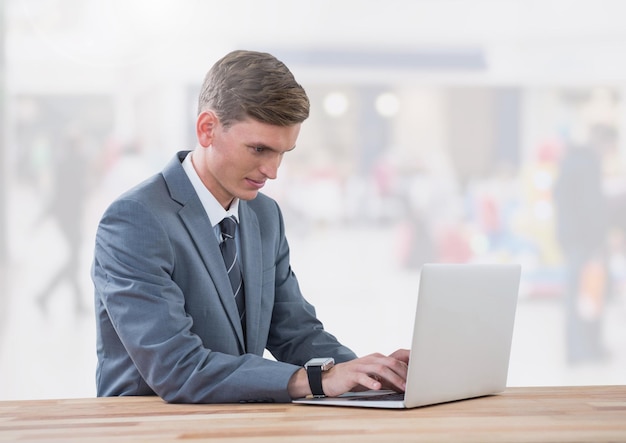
(391, 396)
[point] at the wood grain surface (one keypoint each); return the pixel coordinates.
(535, 414)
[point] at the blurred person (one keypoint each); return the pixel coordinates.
(415, 245)
(168, 320)
(582, 232)
(66, 207)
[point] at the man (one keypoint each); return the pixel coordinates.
(167, 315)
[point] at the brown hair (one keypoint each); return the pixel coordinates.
(246, 84)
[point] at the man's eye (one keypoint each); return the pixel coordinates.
(258, 149)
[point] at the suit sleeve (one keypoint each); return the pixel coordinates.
(142, 319)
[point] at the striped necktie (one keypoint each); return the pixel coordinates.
(229, 253)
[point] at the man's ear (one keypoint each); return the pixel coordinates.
(205, 127)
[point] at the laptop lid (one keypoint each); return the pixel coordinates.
(462, 336)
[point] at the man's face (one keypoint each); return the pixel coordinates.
(236, 161)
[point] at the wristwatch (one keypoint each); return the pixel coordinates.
(314, 369)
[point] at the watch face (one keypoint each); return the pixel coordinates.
(323, 362)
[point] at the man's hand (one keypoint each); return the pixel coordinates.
(375, 371)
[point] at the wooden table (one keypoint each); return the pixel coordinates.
(540, 414)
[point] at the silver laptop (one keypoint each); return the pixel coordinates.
(461, 338)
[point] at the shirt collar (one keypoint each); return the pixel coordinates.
(214, 210)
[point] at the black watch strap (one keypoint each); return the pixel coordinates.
(315, 380)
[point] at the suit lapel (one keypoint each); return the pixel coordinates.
(196, 221)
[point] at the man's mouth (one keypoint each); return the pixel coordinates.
(256, 183)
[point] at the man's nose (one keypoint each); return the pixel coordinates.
(269, 168)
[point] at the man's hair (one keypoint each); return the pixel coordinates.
(248, 84)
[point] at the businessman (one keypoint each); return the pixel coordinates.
(191, 268)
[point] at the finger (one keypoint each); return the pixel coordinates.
(391, 380)
(393, 375)
(369, 382)
(375, 371)
(402, 355)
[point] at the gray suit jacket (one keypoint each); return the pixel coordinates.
(167, 322)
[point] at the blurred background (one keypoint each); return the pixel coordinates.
(440, 131)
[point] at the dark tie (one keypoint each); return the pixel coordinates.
(229, 252)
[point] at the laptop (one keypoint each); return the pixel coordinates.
(462, 338)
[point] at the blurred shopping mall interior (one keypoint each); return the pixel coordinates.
(440, 131)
